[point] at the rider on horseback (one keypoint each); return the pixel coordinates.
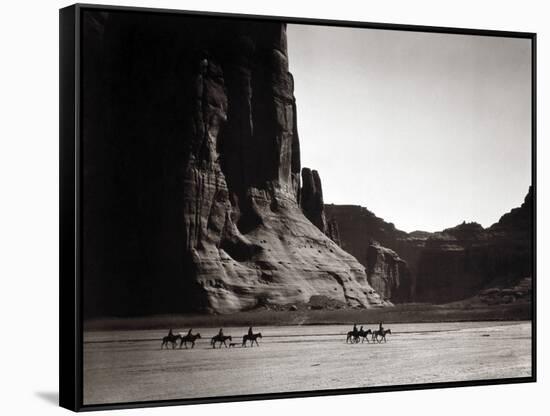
(380, 328)
(189, 332)
(220, 333)
(250, 333)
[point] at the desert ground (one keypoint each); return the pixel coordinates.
(127, 366)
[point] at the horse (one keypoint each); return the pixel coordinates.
(221, 339)
(382, 334)
(352, 337)
(252, 338)
(355, 335)
(364, 334)
(189, 338)
(173, 339)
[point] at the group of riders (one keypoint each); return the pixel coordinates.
(353, 336)
(218, 338)
(379, 335)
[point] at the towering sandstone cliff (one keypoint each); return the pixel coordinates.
(200, 185)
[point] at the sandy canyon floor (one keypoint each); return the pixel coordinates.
(128, 366)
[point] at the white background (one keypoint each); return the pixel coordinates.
(29, 206)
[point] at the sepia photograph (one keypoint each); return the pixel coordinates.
(279, 207)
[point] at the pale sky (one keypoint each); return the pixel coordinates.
(425, 130)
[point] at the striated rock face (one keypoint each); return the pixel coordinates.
(214, 173)
(387, 273)
(453, 264)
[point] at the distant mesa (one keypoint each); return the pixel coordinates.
(445, 266)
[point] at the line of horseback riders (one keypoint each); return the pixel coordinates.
(220, 338)
(377, 335)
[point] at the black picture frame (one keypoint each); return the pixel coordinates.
(70, 177)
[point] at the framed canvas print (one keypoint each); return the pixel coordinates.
(261, 207)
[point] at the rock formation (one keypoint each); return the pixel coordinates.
(367, 237)
(453, 264)
(357, 227)
(313, 206)
(387, 273)
(192, 182)
(333, 232)
(311, 199)
(460, 262)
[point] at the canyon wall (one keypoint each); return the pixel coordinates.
(192, 173)
(462, 261)
(378, 245)
(444, 266)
